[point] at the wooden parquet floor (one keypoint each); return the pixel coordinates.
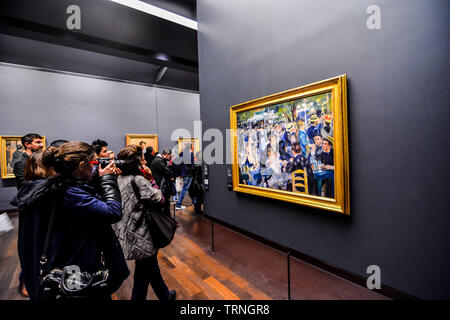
(195, 274)
(9, 264)
(185, 266)
(240, 269)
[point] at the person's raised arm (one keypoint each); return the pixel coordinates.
(109, 208)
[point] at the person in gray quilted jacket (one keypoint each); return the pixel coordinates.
(133, 231)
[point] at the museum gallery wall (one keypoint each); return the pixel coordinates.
(397, 99)
(50, 104)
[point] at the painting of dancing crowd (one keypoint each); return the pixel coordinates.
(288, 146)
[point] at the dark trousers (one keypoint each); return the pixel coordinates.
(166, 206)
(198, 204)
(147, 272)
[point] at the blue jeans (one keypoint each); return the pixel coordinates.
(186, 184)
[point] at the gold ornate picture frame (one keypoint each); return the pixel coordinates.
(11, 147)
(293, 146)
(149, 139)
(183, 141)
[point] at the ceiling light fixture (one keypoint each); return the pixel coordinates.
(158, 12)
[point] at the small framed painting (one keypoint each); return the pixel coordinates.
(147, 140)
(11, 150)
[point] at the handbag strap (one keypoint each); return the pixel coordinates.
(43, 259)
(135, 188)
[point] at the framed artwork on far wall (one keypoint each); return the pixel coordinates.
(151, 140)
(11, 149)
(293, 146)
(182, 142)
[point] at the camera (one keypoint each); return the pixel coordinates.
(103, 162)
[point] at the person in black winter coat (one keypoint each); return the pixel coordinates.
(163, 176)
(149, 154)
(159, 167)
(81, 233)
(196, 189)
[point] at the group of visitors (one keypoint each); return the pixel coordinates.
(80, 205)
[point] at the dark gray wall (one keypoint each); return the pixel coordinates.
(71, 107)
(176, 109)
(398, 109)
(105, 26)
(18, 50)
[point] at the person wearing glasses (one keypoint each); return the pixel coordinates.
(81, 233)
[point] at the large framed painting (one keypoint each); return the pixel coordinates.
(182, 142)
(150, 140)
(11, 149)
(293, 146)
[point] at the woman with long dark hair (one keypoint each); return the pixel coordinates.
(81, 232)
(34, 170)
(139, 194)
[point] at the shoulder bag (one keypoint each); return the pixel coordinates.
(69, 282)
(162, 227)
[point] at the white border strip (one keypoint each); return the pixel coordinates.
(155, 11)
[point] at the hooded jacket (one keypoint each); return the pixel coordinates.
(80, 232)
